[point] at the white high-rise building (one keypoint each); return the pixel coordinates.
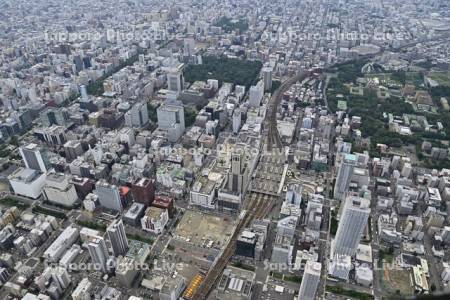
(237, 120)
(99, 254)
(137, 116)
(58, 189)
(294, 194)
(314, 214)
(34, 158)
(340, 266)
(82, 291)
(84, 94)
(108, 195)
(189, 46)
(175, 79)
(27, 182)
(353, 220)
(310, 282)
(61, 277)
(171, 118)
(267, 78)
(118, 238)
(344, 176)
(256, 94)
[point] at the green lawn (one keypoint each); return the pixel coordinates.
(92, 225)
(443, 78)
(339, 290)
(46, 211)
(13, 202)
(414, 78)
(240, 265)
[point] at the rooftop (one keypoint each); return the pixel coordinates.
(203, 229)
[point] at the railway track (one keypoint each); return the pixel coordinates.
(255, 208)
(273, 136)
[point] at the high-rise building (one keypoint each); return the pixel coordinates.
(99, 254)
(236, 178)
(267, 78)
(61, 277)
(310, 282)
(171, 118)
(175, 79)
(108, 195)
(256, 94)
(137, 116)
(143, 191)
(55, 116)
(237, 120)
(35, 158)
(189, 46)
(110, 118)
(344, 176)
(118, 238)
(72, 149)
(353, 220)
(54, 135)
(314, 213)
(340, 266)
(84, 94)
(82, 291)
(27, 182)
(294, 194)
(155, 219)
(125, 271)
(246, 244)
(4, 275)
(78, 62)
(58, 189)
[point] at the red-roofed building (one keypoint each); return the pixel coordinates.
(165, 203)
(125, 195)
(143, 191)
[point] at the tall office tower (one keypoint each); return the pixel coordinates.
(236, 178)
(256, 94)
(344, 176)
(108, 195)
(84, 94)
(310, 282)
(267, 78)
(118, 238)
(61, 277)
(55, 116)
(78, 63)
(99, 254)
(175, 79)
(33, 95)
(189, 46)
(137, 116)
(143, 191)
(87, 62)
(294, 194)
(35, 158)
(237, 120)
(353, 220)
(171, 118)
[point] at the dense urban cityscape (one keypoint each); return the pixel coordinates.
(235, 149)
